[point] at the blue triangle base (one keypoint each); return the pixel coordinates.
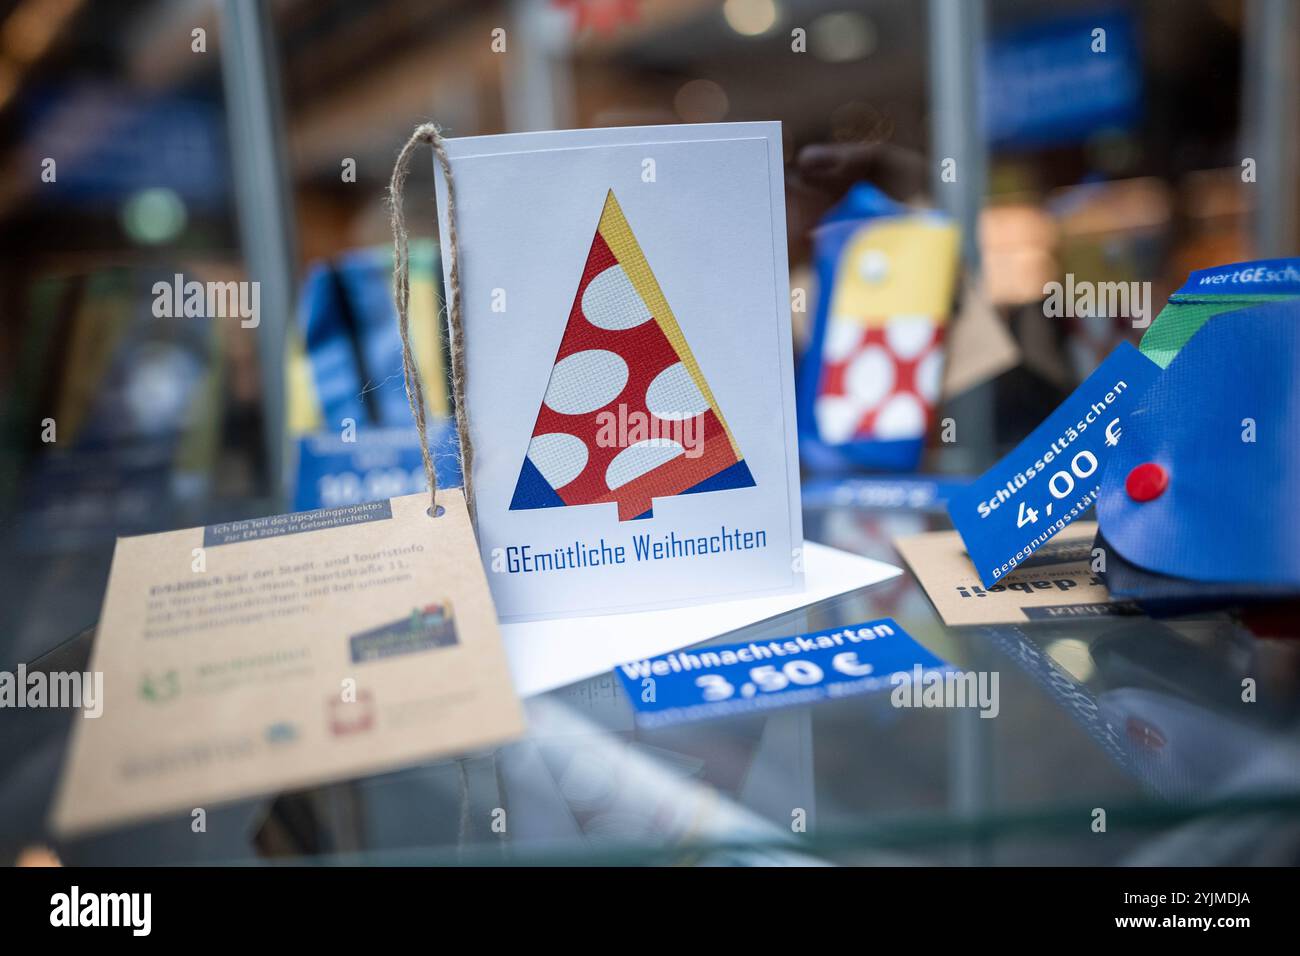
(532, 490)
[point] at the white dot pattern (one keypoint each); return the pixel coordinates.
(585, 381)
(611, 302)
(873, 266)
(929, 376)
(837, 417)
(900, 417)
(909, 335)
(560, 457)
(636, 460)
(674, 396)
(870, 376)
(842, 338)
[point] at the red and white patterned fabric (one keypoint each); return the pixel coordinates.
(880, 378)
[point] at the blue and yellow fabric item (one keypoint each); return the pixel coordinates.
(870, 380)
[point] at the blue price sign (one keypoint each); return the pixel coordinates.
(723, 680)
(379, 463)
(1053, 476)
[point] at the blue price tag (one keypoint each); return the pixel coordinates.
(729, 679)
(1053, 476)
(912, 492)
(379, 463)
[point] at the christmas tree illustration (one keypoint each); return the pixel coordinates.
(627, 416)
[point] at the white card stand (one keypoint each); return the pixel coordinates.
(548, 654)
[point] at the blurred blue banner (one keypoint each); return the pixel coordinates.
(1058, 81)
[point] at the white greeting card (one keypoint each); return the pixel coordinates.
(629, 380)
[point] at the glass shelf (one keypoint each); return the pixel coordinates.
(1141, 719)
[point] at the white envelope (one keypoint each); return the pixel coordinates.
(548, 654)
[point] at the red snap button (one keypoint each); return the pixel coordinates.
(1146, 482)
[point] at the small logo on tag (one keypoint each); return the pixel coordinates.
(423, 629)
(281, 732)
(351, 717)
(158, 688)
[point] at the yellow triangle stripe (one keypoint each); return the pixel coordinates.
(617, 234)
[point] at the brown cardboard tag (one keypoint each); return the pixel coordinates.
(980, 348)
(1057, 583)
(283, 652)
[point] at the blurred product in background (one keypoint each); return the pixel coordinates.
(874, 364)
(348, 411)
